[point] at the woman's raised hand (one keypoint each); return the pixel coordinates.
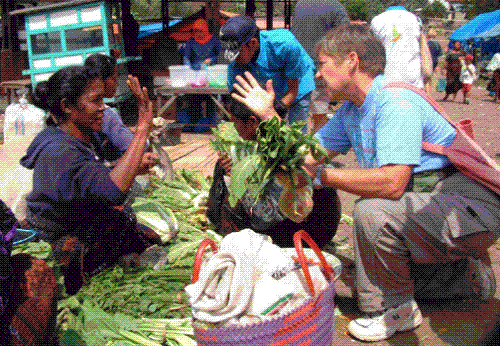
(258, 100)
(144, 103)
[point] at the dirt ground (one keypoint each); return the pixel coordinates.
(457, 322)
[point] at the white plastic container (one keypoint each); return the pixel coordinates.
(178, 75)
(197, 78)
(217, 76)
(161, 80)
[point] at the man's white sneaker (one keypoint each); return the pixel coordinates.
(483, 278)
(405, 317)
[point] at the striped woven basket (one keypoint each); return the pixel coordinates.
(309, 324)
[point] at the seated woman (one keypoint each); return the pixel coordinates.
(264, 216)
(77, 201)
(201, 50)
(117, 134)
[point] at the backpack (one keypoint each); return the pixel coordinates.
(464, 153)
(8, 225)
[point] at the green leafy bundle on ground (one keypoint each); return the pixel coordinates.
(141, 306)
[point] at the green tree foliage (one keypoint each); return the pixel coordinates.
(474, 7)
(363, 9)
(142, 9)
(433, 10)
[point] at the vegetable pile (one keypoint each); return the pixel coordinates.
(278, 152)
(123, 306)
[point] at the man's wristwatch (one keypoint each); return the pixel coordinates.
(281, 108)
(317, 179)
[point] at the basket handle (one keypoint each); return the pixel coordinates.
(199, 256)
(297, 240)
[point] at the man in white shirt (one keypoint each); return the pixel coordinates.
(399, 30)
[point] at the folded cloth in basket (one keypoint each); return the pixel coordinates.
(226, 281)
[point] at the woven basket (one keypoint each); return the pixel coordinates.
(309, 324)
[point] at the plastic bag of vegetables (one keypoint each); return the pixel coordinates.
(276, 156)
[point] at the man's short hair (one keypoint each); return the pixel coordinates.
(358, 38)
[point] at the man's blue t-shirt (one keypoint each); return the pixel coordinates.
(281, 57)
(388, 129)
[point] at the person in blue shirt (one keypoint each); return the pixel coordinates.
(114, 135)
(421, 228)
(200, 51)
(203, 48)
(270, 55)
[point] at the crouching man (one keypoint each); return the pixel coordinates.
(421, 228)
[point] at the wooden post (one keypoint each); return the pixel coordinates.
(212, 14)
(164, 17)
(250, 8)
(5, 30)
(288, 13)
(269, 14)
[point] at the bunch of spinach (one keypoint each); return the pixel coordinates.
(280, 149)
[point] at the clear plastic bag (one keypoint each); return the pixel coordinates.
(295, 203)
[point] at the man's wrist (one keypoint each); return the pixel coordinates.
(281, 108)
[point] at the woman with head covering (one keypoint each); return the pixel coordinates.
(202, 48)
(453, 68)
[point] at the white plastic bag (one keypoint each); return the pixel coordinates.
(22, 122)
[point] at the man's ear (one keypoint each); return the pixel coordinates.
(353, 60)
(253, 42)
(254, 121)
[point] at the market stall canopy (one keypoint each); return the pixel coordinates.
(493, 32)
(483, 26)
(150, 29)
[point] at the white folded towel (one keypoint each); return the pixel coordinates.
(226, 281)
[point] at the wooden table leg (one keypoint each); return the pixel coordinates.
(221, 106)
(166, 105)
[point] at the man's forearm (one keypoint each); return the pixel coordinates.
(385, 182)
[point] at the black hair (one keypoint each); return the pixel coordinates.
(101, 65)
(69, 83)
(239, 110)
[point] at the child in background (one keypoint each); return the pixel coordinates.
(467, 75)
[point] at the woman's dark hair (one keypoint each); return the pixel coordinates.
(100, 65)
(69, 83)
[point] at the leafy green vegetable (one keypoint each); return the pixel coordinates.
(160, 219)
(98, 327)
(279, 148)
(138, 292)
(227, 140)
(347, 219)
(40, 249)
